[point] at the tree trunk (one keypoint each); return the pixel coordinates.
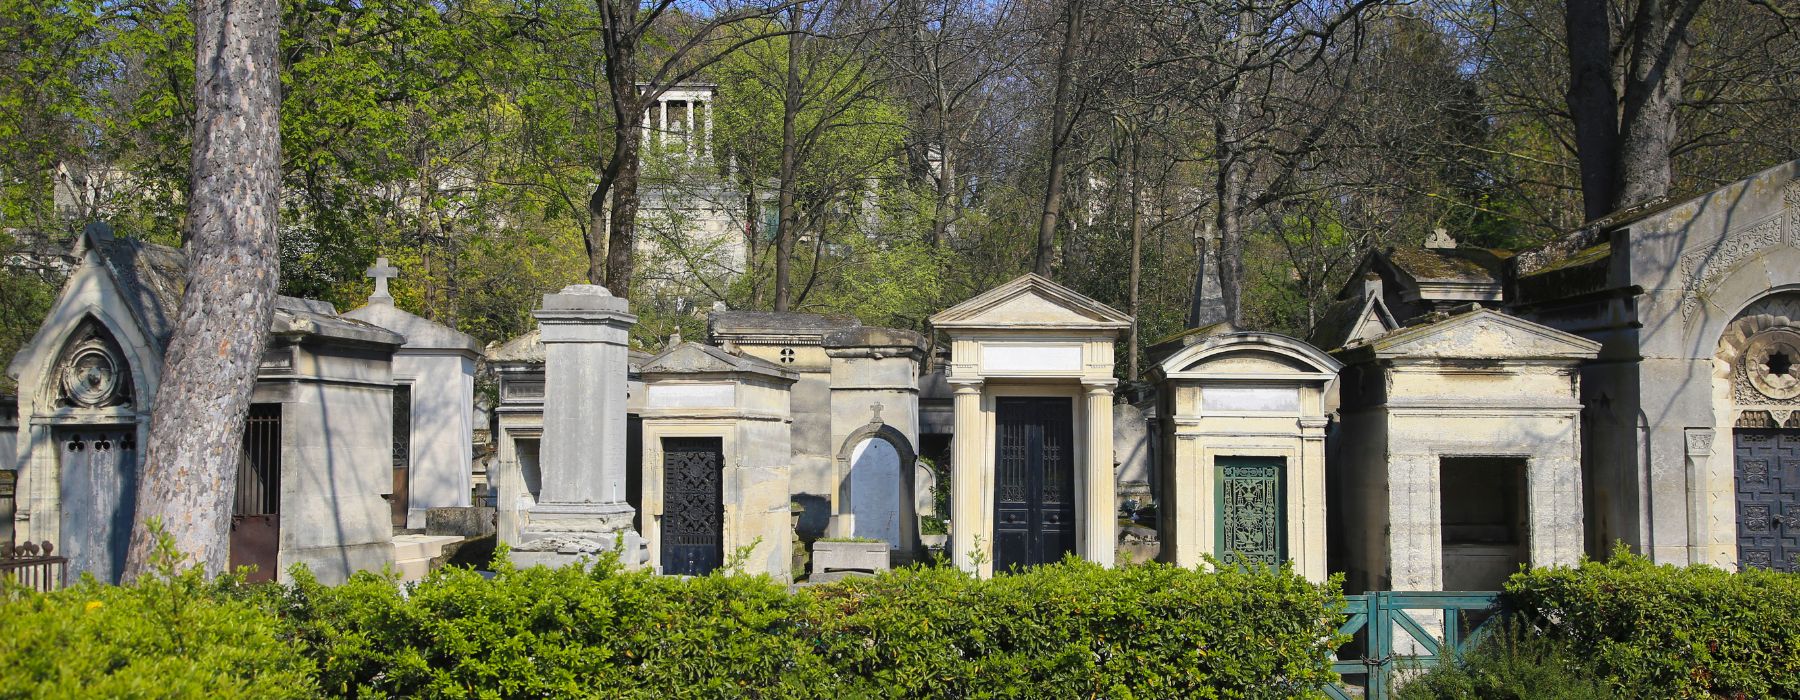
(1593, 103)
(1060, 119)
(786, 231)
(621, 225)
(946, 194)
(1653, 81)
(197, 428)
(1137, 251)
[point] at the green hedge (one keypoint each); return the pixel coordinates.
(1670, 631)
(1063, 631)
(169, 636)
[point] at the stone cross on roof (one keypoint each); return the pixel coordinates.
(381, 272)
(875, 408)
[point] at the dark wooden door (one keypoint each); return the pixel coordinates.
(99, 500)
(400, 498)
(1768, 499)
(1250, 509)
(1034, 490)
(693, 518)
(256, 512)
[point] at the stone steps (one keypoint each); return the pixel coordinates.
(413, 553)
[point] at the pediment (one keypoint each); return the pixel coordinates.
(1249, 354)
(1031, 302)
(1485, 334)
(694, 358)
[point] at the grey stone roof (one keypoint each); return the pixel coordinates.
(874, 336)
(420, 333)
(151, 277)
(527, 347)
(311, 318)
(695, 358)
(1450, 264)
(774, 323)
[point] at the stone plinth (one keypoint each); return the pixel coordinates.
(581, 509)
(829, 556)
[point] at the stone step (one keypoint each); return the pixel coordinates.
(413, 553)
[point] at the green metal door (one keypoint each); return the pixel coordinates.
(1250, 509)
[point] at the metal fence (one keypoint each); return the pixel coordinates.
(1386, 637)
(34, 565)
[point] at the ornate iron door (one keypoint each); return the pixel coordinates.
(1251, 513)
(1034, 496)
(1768, 499)
(99, 500)
(256, 512)
(693, 519)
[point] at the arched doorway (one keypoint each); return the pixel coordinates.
(1758, 373)
(877, 463)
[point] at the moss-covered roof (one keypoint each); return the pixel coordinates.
(1450, 264)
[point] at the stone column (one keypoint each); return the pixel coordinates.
(662, 119)
(1099, 522)
(1310, 535)
(969, 484)
(706, 146)
(581, 506)
(688, 137)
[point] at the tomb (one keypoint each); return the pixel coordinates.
(1243, 418)
(1032, 476)
(581, 507)
(434, 407)
(874, 416)
(717, 462)
(311, 487)
(1693, 408)
(1458, 453)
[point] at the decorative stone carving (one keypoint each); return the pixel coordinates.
(1704, 266)
(1769, 365)
(1757, 355)
(93, 374)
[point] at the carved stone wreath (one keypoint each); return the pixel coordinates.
(92, 375)
(1771, 364)
(1758, 354)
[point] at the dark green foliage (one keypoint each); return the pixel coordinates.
(1069, 630)
(1075, 630)
(170, 635)
(1513, 664)
(1682, 632)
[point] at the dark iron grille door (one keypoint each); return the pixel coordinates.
(402, 434)
(1768, 499)
(1251, 520)
(256, 512)
(1034, 497)
(693, 520)
(99, 499)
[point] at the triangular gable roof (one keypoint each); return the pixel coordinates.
(1480, 334)
(1031, 301)
(694, 358)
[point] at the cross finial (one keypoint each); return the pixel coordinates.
(381, 272)
(875, 408)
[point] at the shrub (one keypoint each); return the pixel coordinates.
(1076, 630)
(170, 635)
(1062, 631)
(1512, 664)
(1685, 632)
(556, 633)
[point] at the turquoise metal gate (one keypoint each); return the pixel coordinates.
(1379, 620)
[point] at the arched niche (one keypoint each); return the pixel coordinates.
(877, 488)
(91, 371)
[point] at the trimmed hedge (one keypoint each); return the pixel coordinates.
(169, 636)
(1063, 631)
(1692, 632)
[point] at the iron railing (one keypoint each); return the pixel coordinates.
(1378, 620)
(34, 565)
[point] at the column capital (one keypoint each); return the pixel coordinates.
(1096, 387)
(965, 385)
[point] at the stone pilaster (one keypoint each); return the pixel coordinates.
(581, 507)
(968, 489)
(1100, 524)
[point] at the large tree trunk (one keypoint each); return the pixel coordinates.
(196, 431)
(1593, 103)
(1137, 251)
(787, 231)
(1624, 133)
(1653, 81)
(1060, 126)
(621, 225)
